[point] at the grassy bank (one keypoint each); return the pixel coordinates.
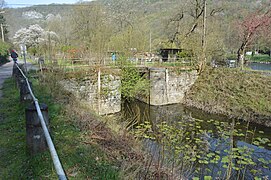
(238, 94)
(81, 159)
(259, 58)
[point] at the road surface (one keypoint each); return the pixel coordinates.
(5, 72)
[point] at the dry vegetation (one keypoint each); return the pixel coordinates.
(107, 133)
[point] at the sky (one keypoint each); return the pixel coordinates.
(24, 3)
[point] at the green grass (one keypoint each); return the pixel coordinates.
(3, 60)
(259, 58)
(79, 160)
(232, 92)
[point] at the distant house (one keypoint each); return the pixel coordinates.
(231, 63)
(249, 53)
(169, 54)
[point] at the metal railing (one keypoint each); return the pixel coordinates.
(58, 167)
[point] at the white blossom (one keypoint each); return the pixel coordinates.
(34, 36)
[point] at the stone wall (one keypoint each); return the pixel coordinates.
(86, 90)
(168, 86)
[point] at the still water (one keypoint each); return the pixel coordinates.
(260, 66)
(137, 112)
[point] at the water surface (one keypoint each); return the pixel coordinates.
(138, 112)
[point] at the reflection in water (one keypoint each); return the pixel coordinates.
(197, 129)
(260, 66)
(138, 112)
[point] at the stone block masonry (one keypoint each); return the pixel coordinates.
(168, 86)
(108, 101)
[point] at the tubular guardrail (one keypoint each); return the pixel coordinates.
(56, 161)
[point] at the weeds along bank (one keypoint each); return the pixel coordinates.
(79, 158)
(101, 148)
(235, 93)
(102, 144)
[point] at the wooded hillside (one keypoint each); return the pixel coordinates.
(216, 27)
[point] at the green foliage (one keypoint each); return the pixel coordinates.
(4, 48)
(116, 27)
(259, 58)
(4, 52)
(33, 50)
(185, 54)
(132, 83)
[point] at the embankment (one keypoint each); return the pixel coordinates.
(237, 94)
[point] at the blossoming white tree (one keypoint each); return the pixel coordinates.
(36, 39)
(34, 36)
(31, 36)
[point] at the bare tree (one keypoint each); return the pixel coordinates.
(189, 26)
(91, 30)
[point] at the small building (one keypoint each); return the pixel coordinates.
(169, 54)
(231, 63)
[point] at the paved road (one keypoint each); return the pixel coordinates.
(5, 72)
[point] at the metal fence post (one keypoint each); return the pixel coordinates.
(35, 138)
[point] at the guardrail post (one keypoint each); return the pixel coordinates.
(35, 137)
(17, 74)
(24, 91)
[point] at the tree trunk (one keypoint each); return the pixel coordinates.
(241, 57)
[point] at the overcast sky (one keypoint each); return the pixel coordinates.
(24, 3)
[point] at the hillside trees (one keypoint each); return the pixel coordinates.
(91, 30)
(129, 30)
(100, 29)
(264, 41)
(193, 26)
(60, 24)
(4, 30)
(3, 45)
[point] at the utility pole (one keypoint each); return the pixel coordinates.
(23, 49)
(2, 28)
(204, 26)
(150, 42)
(203, 60)
(2, 33)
